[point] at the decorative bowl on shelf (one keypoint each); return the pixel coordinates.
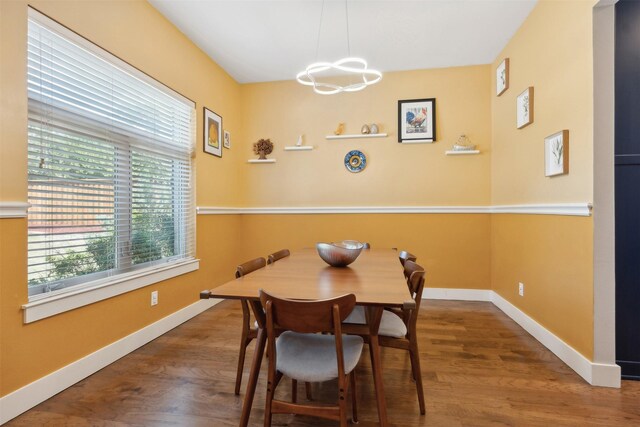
(339, 254)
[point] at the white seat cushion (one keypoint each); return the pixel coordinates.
(391, 325)
(312, 357)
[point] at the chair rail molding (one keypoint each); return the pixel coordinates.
(565, 209)
(14, 209)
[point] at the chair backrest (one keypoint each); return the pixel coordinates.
(250, 266)
(404, 256)
(308, 316)
(278, 255)
(415, 281)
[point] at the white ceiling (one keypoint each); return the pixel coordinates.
(267, 40)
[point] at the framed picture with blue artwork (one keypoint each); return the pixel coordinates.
(417, 121)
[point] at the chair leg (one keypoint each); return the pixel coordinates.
(307, 388)
(244, 342)
(354, 399)
(271, 385)
(294, 391)
(417, 374)
(343, 386)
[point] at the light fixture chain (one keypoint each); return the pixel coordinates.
(319, 30)
(346, 12)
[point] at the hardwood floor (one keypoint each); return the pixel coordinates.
(479, 369)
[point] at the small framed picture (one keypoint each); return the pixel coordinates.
(524, 108)
(417, 121)
(556, 154)
(212, 133)
(502, 77)
(227, 139)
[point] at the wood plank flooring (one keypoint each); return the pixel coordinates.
(479, 369)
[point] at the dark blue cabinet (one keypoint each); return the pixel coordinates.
(627, 187)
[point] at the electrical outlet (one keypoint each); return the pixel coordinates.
(154, 298)
(521, 289)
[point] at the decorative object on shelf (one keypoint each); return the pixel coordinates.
(417, 120)
(463, 144)
(502, 77)
(212, 133)
(262, 148)
(556, 154)
(299, 146)
(374, 128)
(353, 67)
(227, 139)
(339, 254)
(365, 130)
(524, 108)
(355, 161)
(339, 129)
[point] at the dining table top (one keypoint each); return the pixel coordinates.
(375, 278)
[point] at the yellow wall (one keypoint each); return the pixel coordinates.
(552, 255)
(454, 249)
(552, 51)
(396, 174)
(163, 52)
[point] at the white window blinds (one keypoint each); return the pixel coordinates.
(109, 164)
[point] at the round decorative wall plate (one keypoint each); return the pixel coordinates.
(355, 161)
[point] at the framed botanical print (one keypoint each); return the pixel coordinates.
(227, 139)
(524, 108)
(417, 121)
(556, 154)
(502, 77)
(212, 133)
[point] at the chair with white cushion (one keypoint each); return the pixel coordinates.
(400, 331)
(302, 354)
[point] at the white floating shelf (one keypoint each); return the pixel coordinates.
(298, 148)
(358, 135)
(461, 152)
(261, 161)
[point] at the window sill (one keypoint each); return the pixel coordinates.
(47, 307)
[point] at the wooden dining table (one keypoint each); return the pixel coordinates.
(375, 278)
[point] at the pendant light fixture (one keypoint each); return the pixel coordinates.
(350, 66)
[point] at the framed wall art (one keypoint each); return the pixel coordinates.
(556, 154)
(417, 120)
(524, 108)
(502, 77)
(212, 133)
(227, 139)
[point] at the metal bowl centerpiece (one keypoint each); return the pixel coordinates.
(339, 254)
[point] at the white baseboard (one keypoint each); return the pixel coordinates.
(25, 398)
(457, 294)
(597, 374)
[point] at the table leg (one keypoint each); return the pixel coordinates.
(261, 340)
(373, 319)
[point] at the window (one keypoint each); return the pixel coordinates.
(109, 161)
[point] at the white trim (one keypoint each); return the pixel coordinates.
(52, 305)
(25, 398)
(458, 294)
(568, 209)
(357, 135)
(13, 209)
(598, 374)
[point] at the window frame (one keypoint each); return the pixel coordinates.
(93, 287)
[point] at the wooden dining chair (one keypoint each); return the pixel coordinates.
(248, 333)
(302, 354)
(278, 255)
(404, 255)
(398, 329)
